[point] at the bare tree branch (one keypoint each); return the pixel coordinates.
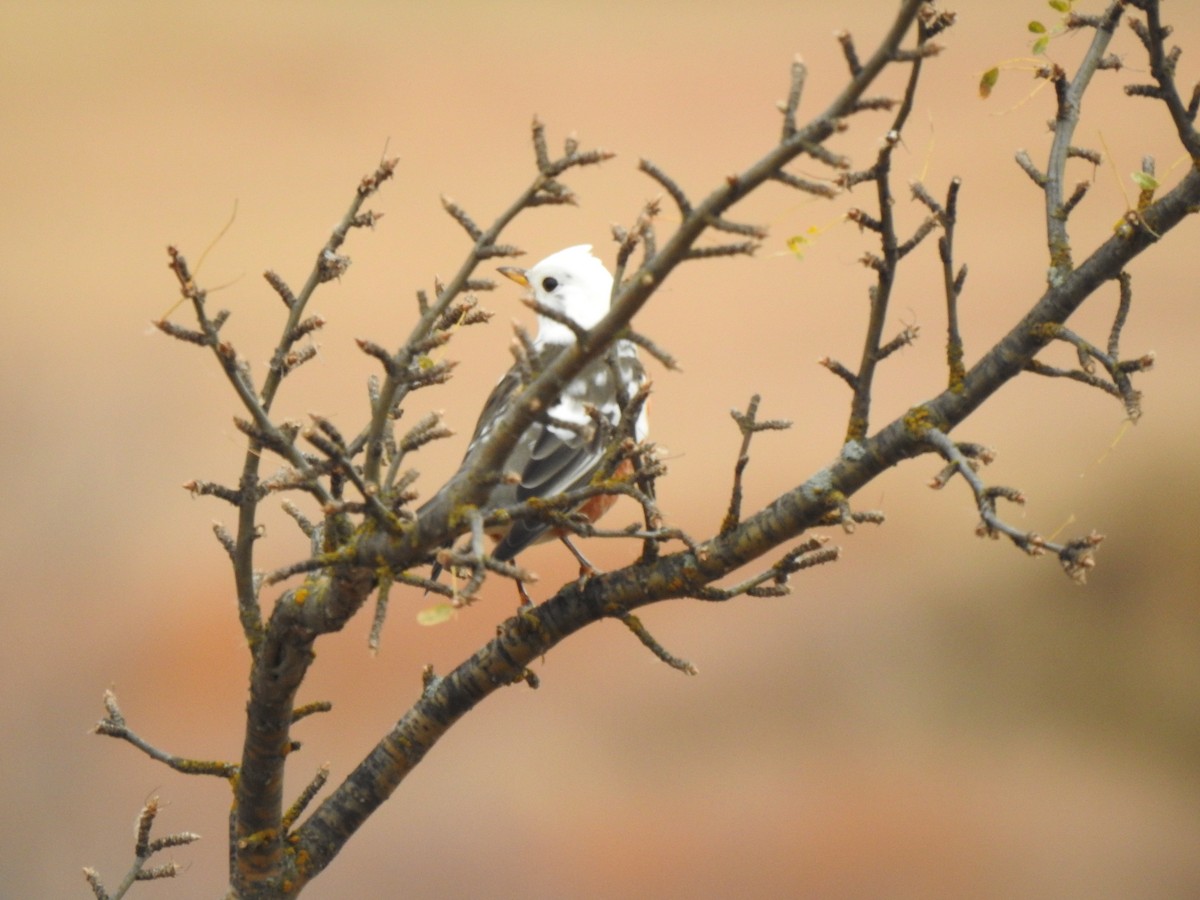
(370, 539)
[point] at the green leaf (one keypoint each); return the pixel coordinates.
(1037, 27)
(1039, 46)
(1144, 180)
(1062, 6)
(988, 81)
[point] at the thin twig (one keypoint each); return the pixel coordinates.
(114, 725)
(773, 582)
(1070, 99)
(634, 624)
(144, 849)
(1076, 557)
(749, 425)
(891, 251)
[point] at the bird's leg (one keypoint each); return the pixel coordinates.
(526, 600)
(586, 569)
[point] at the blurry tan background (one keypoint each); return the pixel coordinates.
(935, 715)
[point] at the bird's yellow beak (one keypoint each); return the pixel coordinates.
(517, 275)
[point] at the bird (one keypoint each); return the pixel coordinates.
(564, 448)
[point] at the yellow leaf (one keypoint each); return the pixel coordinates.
(436, 614)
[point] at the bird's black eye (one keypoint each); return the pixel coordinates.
(549, 284)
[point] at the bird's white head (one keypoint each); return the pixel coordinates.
(572, 282)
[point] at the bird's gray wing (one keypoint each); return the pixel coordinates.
(552, 458)
(549, 458)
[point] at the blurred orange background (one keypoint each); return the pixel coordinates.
(934, 715)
